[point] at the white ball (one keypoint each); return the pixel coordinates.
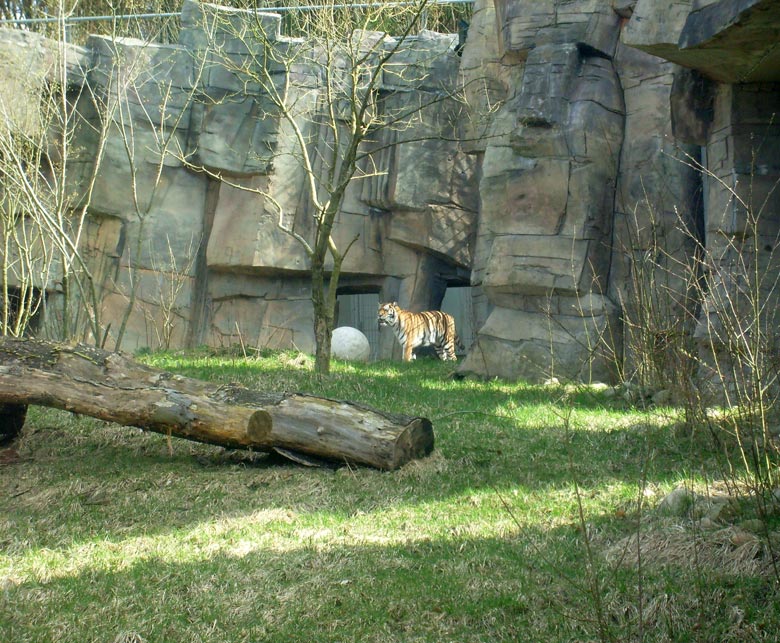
(350, 344)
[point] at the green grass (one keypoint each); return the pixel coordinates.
(102, 532)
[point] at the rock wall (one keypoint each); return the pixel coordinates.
(549, 173)
(572, 204)
(206, 259)
(727, 104)
(592, 208)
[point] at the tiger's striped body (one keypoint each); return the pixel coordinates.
(431, 328)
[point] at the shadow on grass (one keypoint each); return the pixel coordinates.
(528, 586)
(81, 478)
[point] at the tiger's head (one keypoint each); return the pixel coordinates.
(388, 314)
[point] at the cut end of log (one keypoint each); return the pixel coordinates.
(414, 443)
(259, 427)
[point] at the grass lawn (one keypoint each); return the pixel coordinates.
(524, 525)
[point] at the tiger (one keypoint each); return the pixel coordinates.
(430, 328)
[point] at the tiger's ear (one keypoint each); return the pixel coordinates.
(395, 303)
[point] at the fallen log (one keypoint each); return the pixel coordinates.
(112, 387)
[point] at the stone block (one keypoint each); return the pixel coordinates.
(423, 171)
(444, 230)
(655, 175)
(398, 262)
(128, 184)
(361, 233)
(163, 290)
(602, 32)
(234, 31)
(238, 136)
(734, 41)
(691, 101)
(246, 234)
(731, 42)
(591, 198)
(754, 104)
(485, 80)
(659, 231)
(223, 75)
(422, 154)
(282, 324)
(595, 134)
(534, 346)
(522, 195)
(27, 255)
(656, 25)
(375, 189)
(27, 63)
(537, 265)
(232, 284)
(126, 59)
(539, 140)
(755, 149)
(598, 83)
(160, 316)
(624, 8)
(743, 205)
(526, 25)
(172, 227)
(543, 99)
(520, 22)
(153, 83)
(425, 62)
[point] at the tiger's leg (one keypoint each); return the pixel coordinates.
(445, 351)
(408, 352)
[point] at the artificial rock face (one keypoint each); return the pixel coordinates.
(570, 194)
(207, 259)
(725, 104)
(594, 210)
(550, 167)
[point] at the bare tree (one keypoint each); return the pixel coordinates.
(43, 215)
(171, 276)
(87, 17)
(57, 129)
(356, 83)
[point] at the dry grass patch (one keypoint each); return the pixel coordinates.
(728, 550)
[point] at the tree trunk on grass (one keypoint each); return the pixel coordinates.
(111, 387)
